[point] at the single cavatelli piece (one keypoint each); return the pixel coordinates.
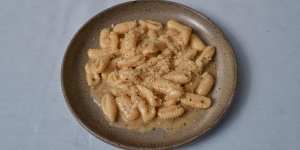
(126, 107)
(148, 94)
(147, 112)
(196, 43)
(206, 84)
(170, 89)
(196, 101)
(124, 27)
(206, 56)
(178, 77)
(109, 107)
(170, 112)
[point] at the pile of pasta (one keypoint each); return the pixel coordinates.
(147, 70)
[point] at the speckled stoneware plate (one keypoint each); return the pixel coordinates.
(77, 93)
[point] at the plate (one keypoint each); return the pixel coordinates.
(77, 93)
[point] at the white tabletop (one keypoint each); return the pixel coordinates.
(265, 35)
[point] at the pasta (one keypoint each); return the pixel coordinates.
(206, 84)
(145, 73)
(91, 76)
(147, 112)
(93, 54)
(193, 84)
(150, 49)
(109, 107)
(124, 27)
(149, 95)
(130, 62)
(130, 40)
(206, 56)
(125, 105)
(114, 40)
(169, 102)
(104, 38)
(186, 65)
(196, 43)
(103, 62)
(190, 54)
(178, 77)
(170, 112)
(150, 24)
(184, 31)
(108, 39)
(196, 101)
(152, 34)
(170, 89)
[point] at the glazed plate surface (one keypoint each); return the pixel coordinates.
(77, 92)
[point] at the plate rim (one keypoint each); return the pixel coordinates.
(183, 142)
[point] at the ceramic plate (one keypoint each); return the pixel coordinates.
(77, 93)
